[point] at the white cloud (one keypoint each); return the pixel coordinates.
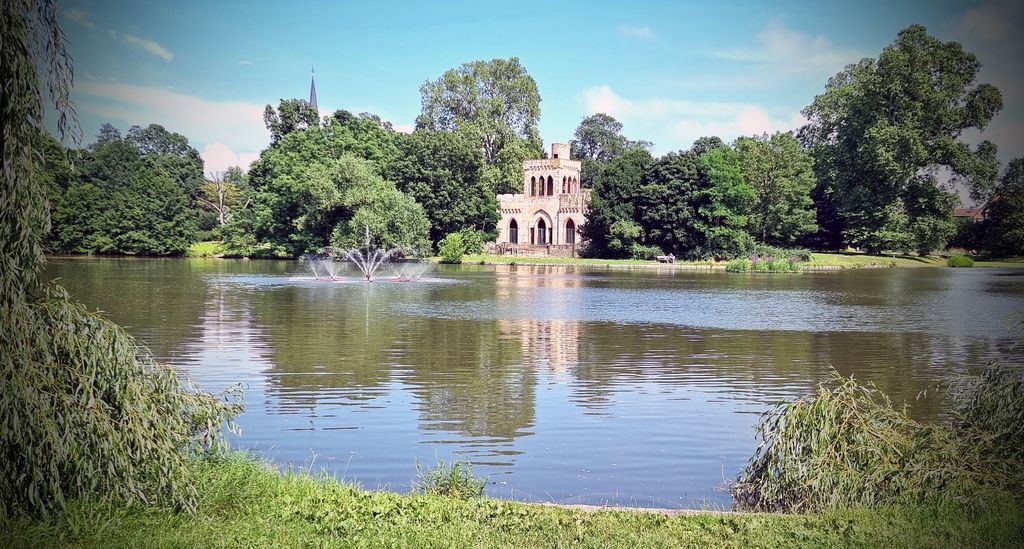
(80, 17)
(629, 31)
(238, 124)
(676, 123)
(786, 48)
(149, 46)
(245, 62)
(218, 157)
(404, 128)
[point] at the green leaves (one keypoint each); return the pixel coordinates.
(881, 123)
(87, 414)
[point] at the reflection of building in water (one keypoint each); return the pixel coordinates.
(553, 344)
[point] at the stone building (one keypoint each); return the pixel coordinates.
(546, 218)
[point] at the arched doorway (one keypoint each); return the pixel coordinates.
(570, 232)
(513, 232)
(551, 186)
(542, 232)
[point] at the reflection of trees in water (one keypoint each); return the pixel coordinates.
(765, 367)
(330, 343)
(470, 378)
(159, 301)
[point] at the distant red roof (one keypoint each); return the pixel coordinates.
(976, 214)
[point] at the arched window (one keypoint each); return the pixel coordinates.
(551, 185)
(542, 232)
(565, 189)
(513, 232)
(570, 232)
(533, 186)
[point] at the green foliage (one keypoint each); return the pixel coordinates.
(451, 248)
(1004, 214)
(472, 241)
(307, 189)
(290, 116)
(497, 101)
(764, 264)
(739, 265)
(130, 196)
(847, 446)
(598, 140)
(641, 251)
(87, 416)
(32, 57)
(991, 401)
(454, 480)
(882, 122)
(794, 254)
(781, 174)
(612, 205)
(960, 261)
(444, 172)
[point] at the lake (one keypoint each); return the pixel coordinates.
(567, 384)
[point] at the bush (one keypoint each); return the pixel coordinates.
(960, 261)
(455, 480)
(739, 265)
(644, 252)
(763, 250)
(451, 248)
(472, 241)
(847, 446)
(85, 415)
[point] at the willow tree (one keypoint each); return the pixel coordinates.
(82, 412)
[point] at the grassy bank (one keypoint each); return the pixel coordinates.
(246, 504)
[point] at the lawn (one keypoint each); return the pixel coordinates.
(244, 503)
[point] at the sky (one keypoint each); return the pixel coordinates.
(670, 71)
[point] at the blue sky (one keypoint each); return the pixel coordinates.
(670, 71)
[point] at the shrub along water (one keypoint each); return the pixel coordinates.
(847, 446)
(456, 480)
(86, 414)
(960, 261)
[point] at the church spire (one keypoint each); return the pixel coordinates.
(312, 88)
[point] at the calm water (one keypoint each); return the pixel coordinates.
(589, 385)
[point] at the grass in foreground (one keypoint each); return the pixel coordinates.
(244, 503)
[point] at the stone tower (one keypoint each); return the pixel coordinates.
(545, 218)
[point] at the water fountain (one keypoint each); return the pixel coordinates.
(409, 271)
(328, 264)
(369, 260)
(323, 264)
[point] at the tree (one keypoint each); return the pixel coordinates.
(291, 115)
(86, 413)
(782, 176)
(108, 133)
(695, 203)
(444, 173)
(394, 218)
(598, 139)
(126, 195)
(497, 101)
(723, 204)
(612, 201)
(221, 193)
(1004, 215)
(151, 216)
(883, 121)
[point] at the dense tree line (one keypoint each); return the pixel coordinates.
(130, 195)
(864, 172)
(868, 171)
